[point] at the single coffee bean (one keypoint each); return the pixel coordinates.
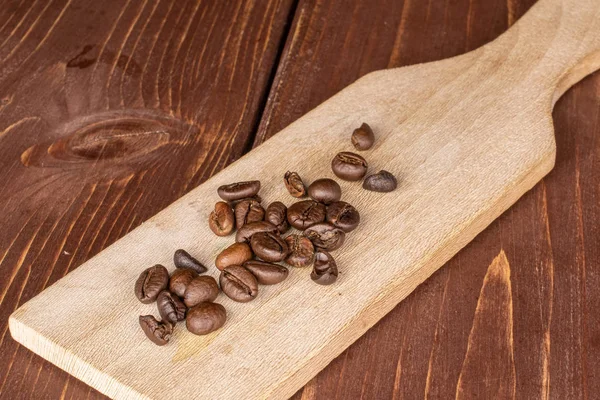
(325, 191)
(221, 220)
(266, 273)
(349, 166)
(150, 283)
(180, 278)
(294, 185)
(383, 182)
(305, 213)
(239, 190)
(248, 211)
(183, 259)
(325, 236)
(159, 332)
(363, 137)
(245, 232)
(238, 283)
(343, 216)
(170, 307)
(236, 254)
(205, 318)
(269, 246)
(200, 289)
(325, 270)
(277, 215)
(301, 251)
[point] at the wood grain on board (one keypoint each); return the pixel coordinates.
(85, 187)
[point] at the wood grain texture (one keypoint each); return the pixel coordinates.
(419, 349)
(108, 113)
(548, 236)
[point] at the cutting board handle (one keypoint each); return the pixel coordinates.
(562, 37)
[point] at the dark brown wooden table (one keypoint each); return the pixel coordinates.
(526, 326)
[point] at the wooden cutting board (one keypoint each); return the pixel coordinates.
(466, 136)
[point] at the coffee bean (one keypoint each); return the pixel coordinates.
(363, 137)
(221, 220)
(183, 259)
(343, 216)
(150, 283)
(239, 190)
(200, 289)
(238, 283)
(159, 332)
(248, 211)
(325, 236)
(236, 254)
(266, 273)
(305, 213)
(277, 215)
(269, 246)
(383, 182)
(325, 270)
(349, 166)
(294, 185)
(205, 318)
(325, 191)
(301, 251)
(180, 278)
(170, 307)
(245, 232)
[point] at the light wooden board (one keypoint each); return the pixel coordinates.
(466, 136)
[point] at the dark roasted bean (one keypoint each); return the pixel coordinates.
(294, 185)
(180, 278)
(238, 283)
(325, 191)
(248, 211)
(205, 318)
(363, 137)
(200, 289)
(236, 254)
(266, 273)
(170, 307)
(245, 232)
(325, 236)
(269, 246)
(238, 190)
(325, 270)
(301, 251)
(305, 213)
(343, 216)
(277, 215)
(183, 259)
(150, 283)
(383, 182)
(349, 166)
(221, 220)
(157, 331)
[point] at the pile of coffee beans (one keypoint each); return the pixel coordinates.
(321, 222)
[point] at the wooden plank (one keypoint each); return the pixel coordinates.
(418, 350)
(468, 136)
(199, 69)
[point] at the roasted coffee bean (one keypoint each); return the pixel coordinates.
(221, 220)
(248, 211)
(305, 213)
(343, 216)
(238, 283)
(349, 166)
(325, 191)
(205, 318)
(325, 236)
(266, 273)
(245, 232)
(383, 182)
(170, 307)
(200, 289)
(294, 185)
(180, 278)
(301, 251)
(236, 254)
(150, 283)
(183, 259)
(363, 137)
(325, 270)
(277, 215)
(159, 332)
(239, 190)
(269, 246)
